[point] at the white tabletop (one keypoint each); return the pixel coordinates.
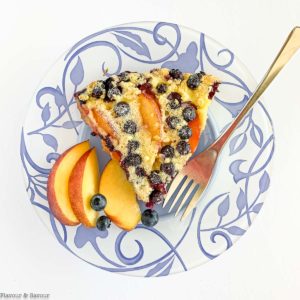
(264, 264)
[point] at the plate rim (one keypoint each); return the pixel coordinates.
(131, 24)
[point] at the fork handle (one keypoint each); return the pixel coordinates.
(291, 45)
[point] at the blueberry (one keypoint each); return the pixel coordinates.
(189, 113)
(98, 90)
(122, 109)
(193, 81)
(103, 223)
(82, 101)
(175, 100)
(109, 83)
(200, 74)
(183, 148)
(154, 178)
(98, 202)
(130, 127)
(132, 146)
(124, 76)
(176, 74)
(108, 143)
(150, 217)
(174, 96)
(168, 151)
(185, 132)
(132, 160)
(156, 197)
(140, 172)
(168, 168)
(172, 122)
(112, 92)
(161, 88)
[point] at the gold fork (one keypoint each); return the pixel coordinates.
(196, 175)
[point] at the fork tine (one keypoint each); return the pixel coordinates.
(194, 187)
(193, 202)
(185, 187)
(174, 185)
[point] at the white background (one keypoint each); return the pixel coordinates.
(264, 264)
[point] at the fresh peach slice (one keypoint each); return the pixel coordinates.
(103, 123)
(58, 184)
(83, 184)
(122, 207)
(151, 115)
(196, 130)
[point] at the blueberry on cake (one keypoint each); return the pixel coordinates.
(150, 122)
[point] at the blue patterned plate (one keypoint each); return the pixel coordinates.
(233, 199)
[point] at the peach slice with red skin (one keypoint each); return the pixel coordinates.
(58, 184)
(122, 207)
(83, 184)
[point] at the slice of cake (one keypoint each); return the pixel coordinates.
(150, 122)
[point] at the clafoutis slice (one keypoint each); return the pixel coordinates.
(149, 122)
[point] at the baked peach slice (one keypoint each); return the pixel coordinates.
(151, 115)
(108, 130)
(122, 207)
(83, 184)
(58, 184)
(103, 123)
(196, 131)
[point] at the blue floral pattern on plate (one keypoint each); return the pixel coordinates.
(233, 199)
